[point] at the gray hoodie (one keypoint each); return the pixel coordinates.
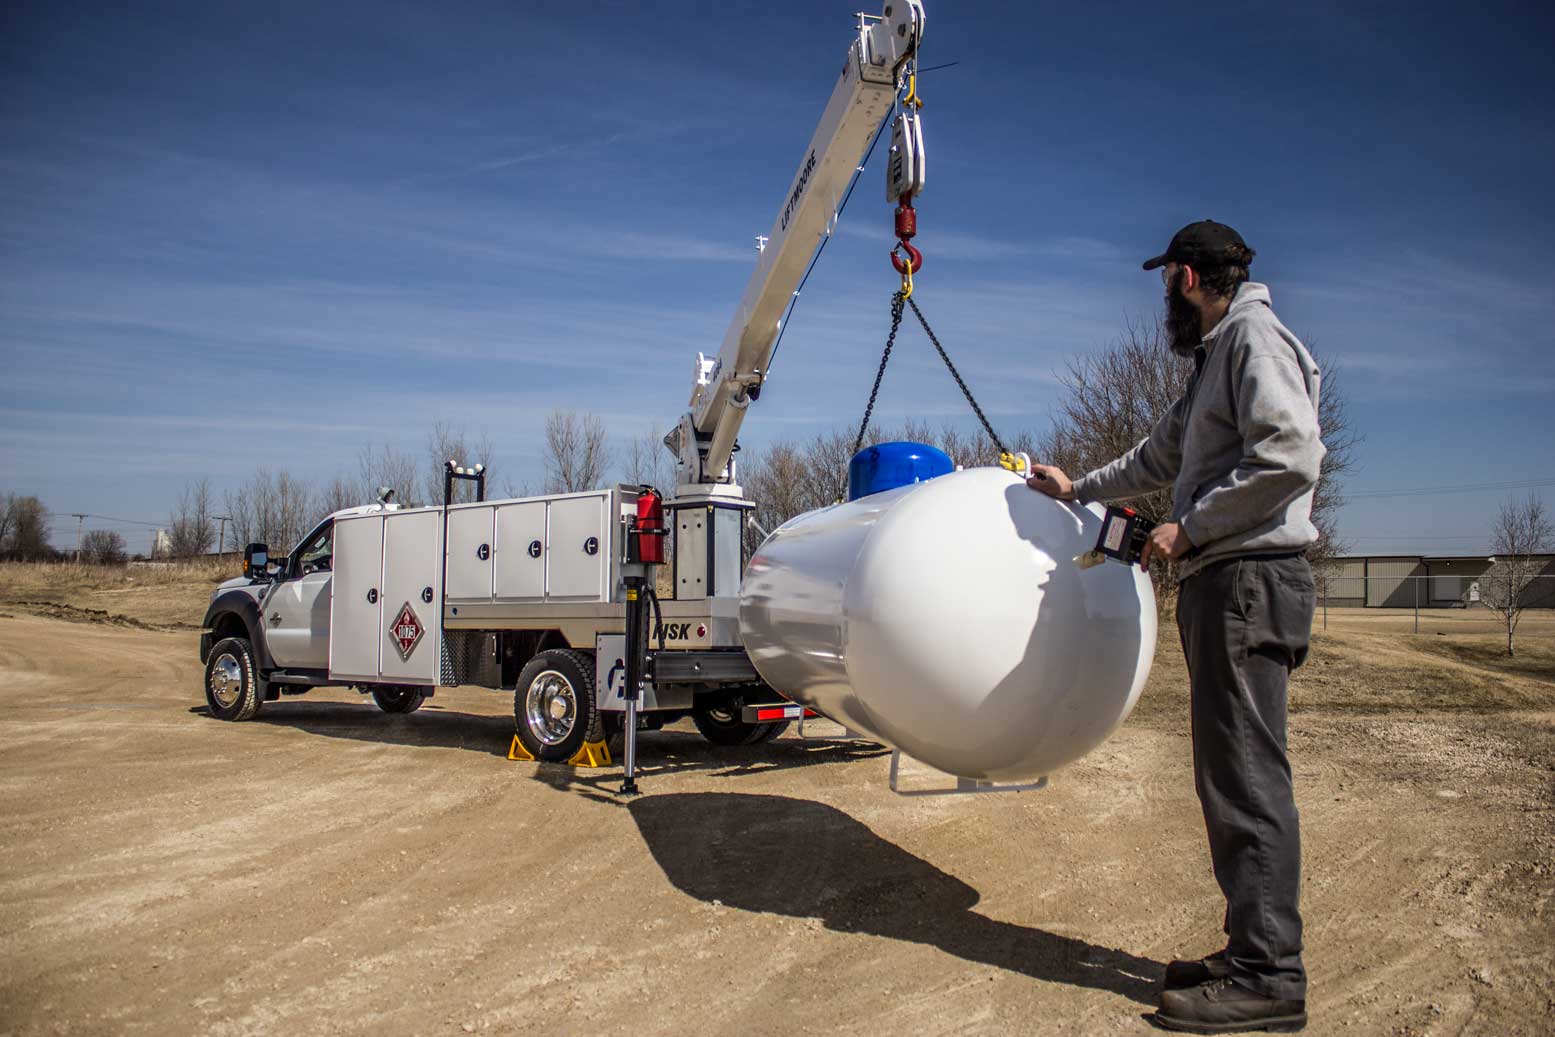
(1240, 449)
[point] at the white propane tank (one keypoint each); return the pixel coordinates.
(948, 619)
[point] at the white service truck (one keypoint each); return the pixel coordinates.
(533, 595)
(519, 594)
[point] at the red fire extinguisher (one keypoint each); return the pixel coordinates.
(649, 529)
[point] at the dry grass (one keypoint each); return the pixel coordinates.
(164, 595)
(1536, 623)
(1374, 669)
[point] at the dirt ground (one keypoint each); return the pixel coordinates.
(331, 869)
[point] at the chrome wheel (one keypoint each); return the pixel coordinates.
(226, 680)
(551, 707)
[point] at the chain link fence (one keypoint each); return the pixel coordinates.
(1434, 604)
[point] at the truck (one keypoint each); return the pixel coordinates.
(549, 597)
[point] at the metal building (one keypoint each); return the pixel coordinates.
(1405, 581)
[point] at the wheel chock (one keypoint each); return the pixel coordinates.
(592, 754)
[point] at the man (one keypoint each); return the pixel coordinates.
(1241, 451)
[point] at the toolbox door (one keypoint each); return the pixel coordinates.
(412, 588)
(520, 547)
(356, 604)
(579, 548)
(470, 544)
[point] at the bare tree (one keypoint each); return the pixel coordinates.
(191, 529)
(1522, 531)
(577, 452)
(274, 508)
(103, 547)
(339, 493)
(775, 479)
(445, 444)
(24, 529)
(648, 462)
(387, 467)
(7, 519)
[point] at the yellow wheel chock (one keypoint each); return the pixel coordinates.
(592, 754)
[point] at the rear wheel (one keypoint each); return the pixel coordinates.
(399, 700)
(232, 685)
(721, 725)
(553, 705)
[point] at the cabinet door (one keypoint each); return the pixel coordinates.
(470, 544)
(578, 549)
(520, 551)
(412, 578)
(356, 605)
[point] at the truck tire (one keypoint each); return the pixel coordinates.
(233, 690)
(399, 700)
(553, 705)
(722, 725)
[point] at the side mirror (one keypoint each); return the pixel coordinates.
(256, 560)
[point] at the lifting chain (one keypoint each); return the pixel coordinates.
(897, 302)
(1014, 462)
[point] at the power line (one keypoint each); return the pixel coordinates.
(1431, 491)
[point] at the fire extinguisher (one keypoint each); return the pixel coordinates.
(649, 530)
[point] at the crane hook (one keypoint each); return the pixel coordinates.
(914, 259)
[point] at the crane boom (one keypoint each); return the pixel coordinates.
(722, 388)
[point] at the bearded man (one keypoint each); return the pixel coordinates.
(1241, 450)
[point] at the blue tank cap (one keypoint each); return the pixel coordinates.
(886, 466)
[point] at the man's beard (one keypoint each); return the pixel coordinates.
(1183, 326)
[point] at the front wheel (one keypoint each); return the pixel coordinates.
(232, 686)
(399, 700)
(553, 705)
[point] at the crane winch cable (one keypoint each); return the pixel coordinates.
(898, 301)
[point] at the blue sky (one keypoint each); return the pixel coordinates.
(234, 235)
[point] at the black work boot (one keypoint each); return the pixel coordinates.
(1222, 1006)
(1180, 973)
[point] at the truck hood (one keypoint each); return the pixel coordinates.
(237, 583)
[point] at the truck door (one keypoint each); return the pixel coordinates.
(356, 607)
(296, 611)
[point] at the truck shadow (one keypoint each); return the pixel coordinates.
(659, 753)
(800, 859)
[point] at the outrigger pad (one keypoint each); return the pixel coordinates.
(517, 751)
(593, 754)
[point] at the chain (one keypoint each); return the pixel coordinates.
(897, 302)
(957, 376)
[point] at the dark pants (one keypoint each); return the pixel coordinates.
(1245, 625)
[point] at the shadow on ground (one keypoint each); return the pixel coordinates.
(801, 859)
(659, 753)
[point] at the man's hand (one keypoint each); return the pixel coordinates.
(1165, 541)
(1051, 481)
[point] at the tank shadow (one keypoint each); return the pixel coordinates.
(800, 859)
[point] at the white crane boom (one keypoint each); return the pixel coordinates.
(723, 388)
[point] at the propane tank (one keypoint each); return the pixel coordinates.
(947, 618)
(649, 529)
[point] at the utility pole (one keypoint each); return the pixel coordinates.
(222, 542)
(80, 518)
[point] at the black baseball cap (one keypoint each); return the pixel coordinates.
(1205, 242)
